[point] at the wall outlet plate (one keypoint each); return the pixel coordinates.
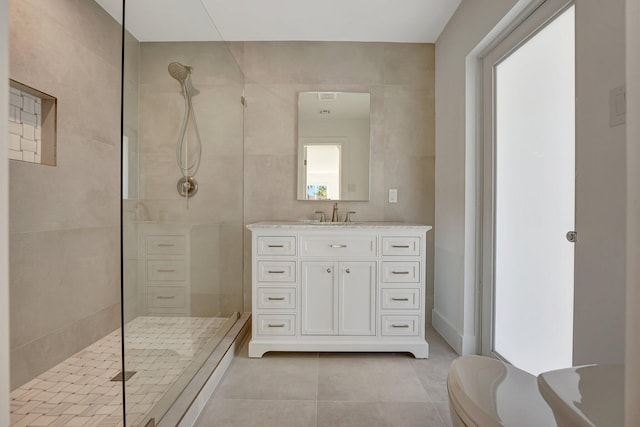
(393, 195)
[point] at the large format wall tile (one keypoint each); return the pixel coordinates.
(65, 253)
(60, 277)
(400, 78)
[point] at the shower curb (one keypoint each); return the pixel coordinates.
(186, 409)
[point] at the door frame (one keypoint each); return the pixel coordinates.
(528, 28)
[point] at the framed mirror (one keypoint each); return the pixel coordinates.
(334, 146)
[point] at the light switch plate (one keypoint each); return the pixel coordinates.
(393, 195)
(617, 106)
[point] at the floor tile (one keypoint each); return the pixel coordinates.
(369, 414)
(79, 391)
(443, 411)
(254, 413)
(369, 378)
(275, 376)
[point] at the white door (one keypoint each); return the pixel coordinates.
(319, 298)
(530, 191)
(357, 298)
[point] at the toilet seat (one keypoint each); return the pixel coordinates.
(486, 392)
(585, 396)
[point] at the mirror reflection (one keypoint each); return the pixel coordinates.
(333, 146)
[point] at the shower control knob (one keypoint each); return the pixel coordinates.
(187, 186)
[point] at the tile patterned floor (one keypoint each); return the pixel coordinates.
(334, 389)
(79, 391)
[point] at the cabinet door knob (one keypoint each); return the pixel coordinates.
(348, 270)
(328, 270)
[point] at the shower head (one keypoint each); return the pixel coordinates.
(179, 72)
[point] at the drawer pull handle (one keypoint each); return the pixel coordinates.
(399, 299)
(161, 297)
(276, 299)
(400, 272)
(166, 245)
(338, 246)
(276, 271)
(328, 270)
(166, 271)
(399, 326)
(400, 246)
(276, 246)
(276, 325)
(348, 270)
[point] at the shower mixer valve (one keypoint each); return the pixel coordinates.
(187, 186)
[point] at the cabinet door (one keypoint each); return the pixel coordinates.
(319, 298)
(357, 304)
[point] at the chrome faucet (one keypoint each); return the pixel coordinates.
(322, 217)
(334, 217)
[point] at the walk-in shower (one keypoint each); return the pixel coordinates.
(123, 330)
(189, 145)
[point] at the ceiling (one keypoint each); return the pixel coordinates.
(407, 21)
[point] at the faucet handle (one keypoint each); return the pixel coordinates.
(347, 217)
(322, 218)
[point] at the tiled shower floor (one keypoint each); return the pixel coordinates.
(79, 391)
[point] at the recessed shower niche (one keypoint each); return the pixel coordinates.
(32, 125)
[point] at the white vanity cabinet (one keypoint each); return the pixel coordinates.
(347, 287)
(338, 298)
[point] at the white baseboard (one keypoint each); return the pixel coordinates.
(447, 331)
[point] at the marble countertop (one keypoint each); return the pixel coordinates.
(316, 225)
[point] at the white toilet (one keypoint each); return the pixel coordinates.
(585, 396)
(485, 392)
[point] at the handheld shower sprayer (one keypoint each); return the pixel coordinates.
(189, 146)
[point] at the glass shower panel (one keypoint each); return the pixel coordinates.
(183, 249)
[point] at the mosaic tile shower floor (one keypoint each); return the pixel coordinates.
(79, 391)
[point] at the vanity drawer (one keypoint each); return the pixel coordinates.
(401, 246)
(282, 298)
(400, 326)
(164, 269)
(365, 246)
(276, 271)
(276, 324)
(277, 245)
(166, 296)
(400, 299)
(165, 245)
(401, 271)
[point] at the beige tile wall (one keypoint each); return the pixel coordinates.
(214, 215)
(400, 78)
(64, 231)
